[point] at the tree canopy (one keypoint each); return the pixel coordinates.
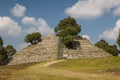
(10, 50)
(68, 30)
(33, 38)
(1, 42)
(118, 39)
(2, 51)
(112, 49)
(2, 55)
(6, 53)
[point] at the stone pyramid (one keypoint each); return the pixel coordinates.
(47, 50)
(86, 50)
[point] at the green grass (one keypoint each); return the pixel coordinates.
(107, 68)
(90, 64)
(40, 76)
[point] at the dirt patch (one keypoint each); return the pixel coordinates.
(52, 62)
(114, 71)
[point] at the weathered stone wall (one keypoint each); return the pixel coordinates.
(47, 50)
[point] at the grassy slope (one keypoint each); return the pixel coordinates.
(88, 64)
(77, 69)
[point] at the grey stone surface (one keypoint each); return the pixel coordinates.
(86, 50)
(47, 50)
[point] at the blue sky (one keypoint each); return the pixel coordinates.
(98, 18)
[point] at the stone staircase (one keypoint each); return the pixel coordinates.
(47, 50)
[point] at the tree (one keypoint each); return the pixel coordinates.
(102, 44)
(68, 30)
(118, 39)
(6, 52)
(112, 49)
(2, 51)
(1, 42)
(33, 38)
(2, 55)
(10, 51)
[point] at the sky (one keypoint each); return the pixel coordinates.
(99, 19)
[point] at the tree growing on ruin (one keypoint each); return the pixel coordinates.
(33, 38)
(68, 30)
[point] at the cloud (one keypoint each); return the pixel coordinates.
(86, 36)
(29, 21)
(18, 10)
(8, 27)
(37, 25)
(89, 9)
(34, 25)
(117, 11)
(111, 34)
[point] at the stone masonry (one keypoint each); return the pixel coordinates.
(86, 50)
(47, 50)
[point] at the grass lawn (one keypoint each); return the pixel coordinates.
(107, 68)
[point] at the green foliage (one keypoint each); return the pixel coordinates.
(6, 53)
(1, 42)
(2, 55)
(102, 44)
(118, 39)
(68, 30)
(112, 49)
(10, 51)
(69, 42)
(2, 51)
(33, 38)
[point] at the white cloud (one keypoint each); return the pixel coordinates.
(29, 20)
(111, 34)
(32, 29)
(18, 10)
(8, 27)
(117, 11)
(88, 9)
(39, 25)
(86, 36)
